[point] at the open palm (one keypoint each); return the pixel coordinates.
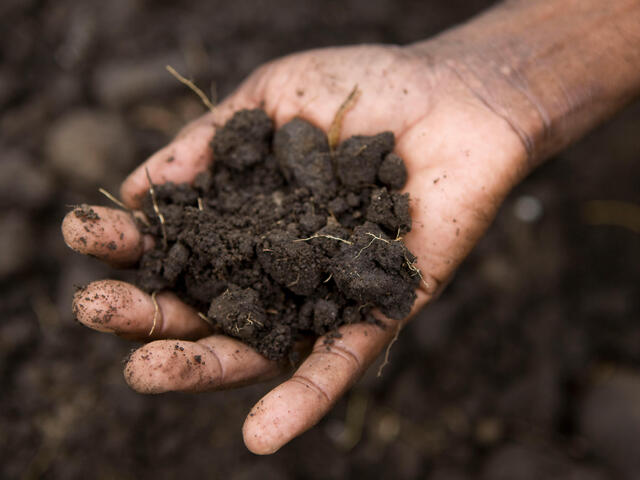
(461, 160)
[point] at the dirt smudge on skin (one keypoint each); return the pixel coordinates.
(85, 213)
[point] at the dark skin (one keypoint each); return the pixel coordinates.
(467, 138)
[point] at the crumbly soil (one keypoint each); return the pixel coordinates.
(283, 237)
(498, 378)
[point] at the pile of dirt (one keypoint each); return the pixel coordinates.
(284, 236)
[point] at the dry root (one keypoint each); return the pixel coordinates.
(330, 237)
(295, 282)
(156, 209)
(156, 312)
(192, 86)
(336, 126)
(375, 237)
(252, 322)
(206, 319)
(387, 352)
(416, 271)
(113, 199)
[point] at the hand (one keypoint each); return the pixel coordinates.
(461, 158)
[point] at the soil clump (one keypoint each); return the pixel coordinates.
(283, 237)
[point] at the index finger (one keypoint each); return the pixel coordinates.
(299, 403)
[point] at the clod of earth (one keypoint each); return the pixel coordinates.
(284, 237)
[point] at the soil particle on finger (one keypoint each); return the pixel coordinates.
(85, 213)
(282, 237)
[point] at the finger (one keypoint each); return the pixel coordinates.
(108, 234)
(186, 156)
(118, 307)
(215, 362)
(299, 403)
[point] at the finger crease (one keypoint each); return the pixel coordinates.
(217, 357)
(407, 127)
(308, 383)
(341, 352)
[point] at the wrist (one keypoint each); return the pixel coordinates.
(552, 69)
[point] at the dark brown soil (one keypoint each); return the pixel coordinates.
(500, 378)
(284, 237)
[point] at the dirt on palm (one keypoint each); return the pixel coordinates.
(283, 236)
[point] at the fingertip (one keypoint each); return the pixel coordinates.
(133, 189)
(107, 234)
(299, 403)
(285, 412)
(106, 305)
(76, 225)
(145, 371)
(67, 228)
(255, 440)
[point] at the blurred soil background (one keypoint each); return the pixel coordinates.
(528, 366)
